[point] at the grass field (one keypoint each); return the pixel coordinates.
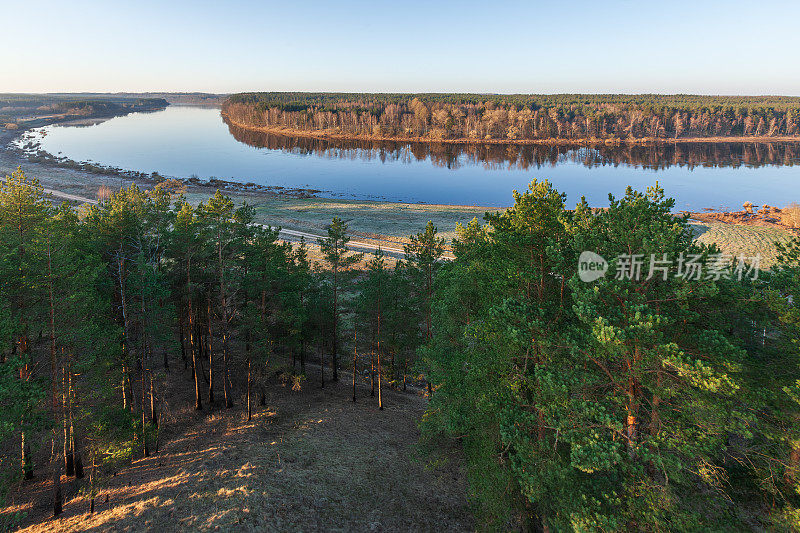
(398, 220)
(739, 240)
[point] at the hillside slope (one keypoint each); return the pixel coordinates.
(309, 460)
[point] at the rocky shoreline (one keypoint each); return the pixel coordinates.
(753, 215)
(38, 162)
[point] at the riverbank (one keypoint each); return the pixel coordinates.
(385, 223)
(768, 216)
(29, 155)
(378, 223)
(330, 134)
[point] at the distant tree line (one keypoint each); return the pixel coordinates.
(103, 108)
(13, 106)
(518, 117)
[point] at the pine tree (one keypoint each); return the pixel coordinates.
(370, 310)
(334, 249)
(23, 216)
(218, 216)
(183, 250)
(610, 405)
(423, 253)
(264, 273)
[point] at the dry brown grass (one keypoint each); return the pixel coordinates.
(103, 193)
(740, 239)
(790, 215)
(310, 460)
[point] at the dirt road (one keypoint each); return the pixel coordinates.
(67, 196)
(286, 234)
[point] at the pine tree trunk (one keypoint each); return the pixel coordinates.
(372, 365)
(77, 442)
(322, 363)
(380, 372)
(143, 391)
(56, 460)
(153, 416)
(91, 483)
(129, 384)
(69, 465)
(145, 448)
(124, 386)
(355, 360)
(157, 423)
(25, 375)
(198, 402)
(202, 348)
(182, 337)
(249, 382)
(27, 464)
(428, 333)
(226, 379)
(143, 363)
(372, 373)
(210, 351)
(127, 395)
(335, 358)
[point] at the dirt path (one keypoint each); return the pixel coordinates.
(67, 196)
(310, 460)
(292, 235)
(286, 234)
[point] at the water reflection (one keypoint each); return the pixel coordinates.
(527, 157)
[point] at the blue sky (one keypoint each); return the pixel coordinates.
(701, 46)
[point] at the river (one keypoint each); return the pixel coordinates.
(184, 142)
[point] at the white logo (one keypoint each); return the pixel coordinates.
(591, 267)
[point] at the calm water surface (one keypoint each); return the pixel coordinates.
(189, 141)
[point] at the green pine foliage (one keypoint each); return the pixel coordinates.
(341, 262)
(613, 405)
(654, 398)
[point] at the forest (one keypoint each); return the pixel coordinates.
(14, 107)
(647, 403)
(518, 118)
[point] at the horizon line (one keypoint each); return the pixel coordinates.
(487, 93)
